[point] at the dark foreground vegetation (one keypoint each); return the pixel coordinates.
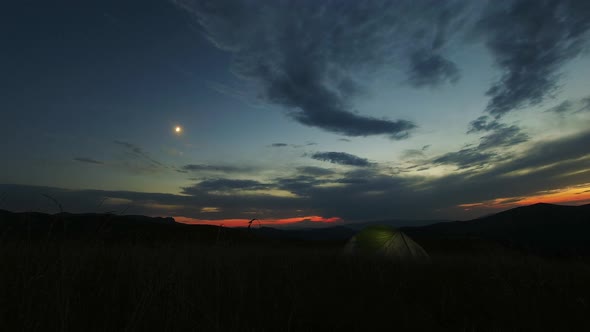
(68, 272)
(74, 286)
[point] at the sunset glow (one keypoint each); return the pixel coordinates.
(576, 195)
(244, 222)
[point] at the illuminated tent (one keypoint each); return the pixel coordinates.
(385, 241)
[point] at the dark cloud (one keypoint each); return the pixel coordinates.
(531, 40)
(498, 135)
(584, 105)
(503, 136)
(344, 139)
(215, 168)
(314, 171)
(466, 158)
(300, 185)
(279, 145)
(224, 185)
(306, 56)
(569, 148)
(88, 160)
(564, 107)
(341, 158)
(427, 66)
(569, 106)
(483, 123)
(431, 69)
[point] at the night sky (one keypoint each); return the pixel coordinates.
(291, 111)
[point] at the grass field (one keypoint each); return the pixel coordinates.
(73, 286)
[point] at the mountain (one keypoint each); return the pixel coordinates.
(542, 228)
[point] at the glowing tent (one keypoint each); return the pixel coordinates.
(385, 241)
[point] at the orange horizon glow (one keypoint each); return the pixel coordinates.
(577, 195)
(244, 222)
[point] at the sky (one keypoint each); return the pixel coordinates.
(294, 112)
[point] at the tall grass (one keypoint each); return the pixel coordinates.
(75, 286)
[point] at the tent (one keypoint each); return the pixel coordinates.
(385, 241)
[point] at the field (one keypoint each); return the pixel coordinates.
(98, 286)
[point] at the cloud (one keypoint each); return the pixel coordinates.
(88, 160)
(300, 185)
(531, 41)
(138, 161)
(314, 171)
(564, 107)
(498, 135)
(584, 105)
(465, 158)
(569, 148)
(313, 58)
(341, 158)
(137, 153)
(134, 148)
(503, 136)
(279, 145)
(224, 185)
(483, 123)
(215, 168)
(431, 69)
(571, 106)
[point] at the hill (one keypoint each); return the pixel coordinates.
(114, 228)
(541, 228)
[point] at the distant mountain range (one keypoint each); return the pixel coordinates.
(540, 228)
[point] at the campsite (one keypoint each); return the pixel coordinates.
(68, 272)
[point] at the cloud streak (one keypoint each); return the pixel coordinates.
(491, 148)
(204, 168)
(217, 185)
(88, 160)
(531, 41)
(571, 106)
(138, 153)
(341, 158)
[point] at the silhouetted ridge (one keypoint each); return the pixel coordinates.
(111, 227)
(539, 227)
